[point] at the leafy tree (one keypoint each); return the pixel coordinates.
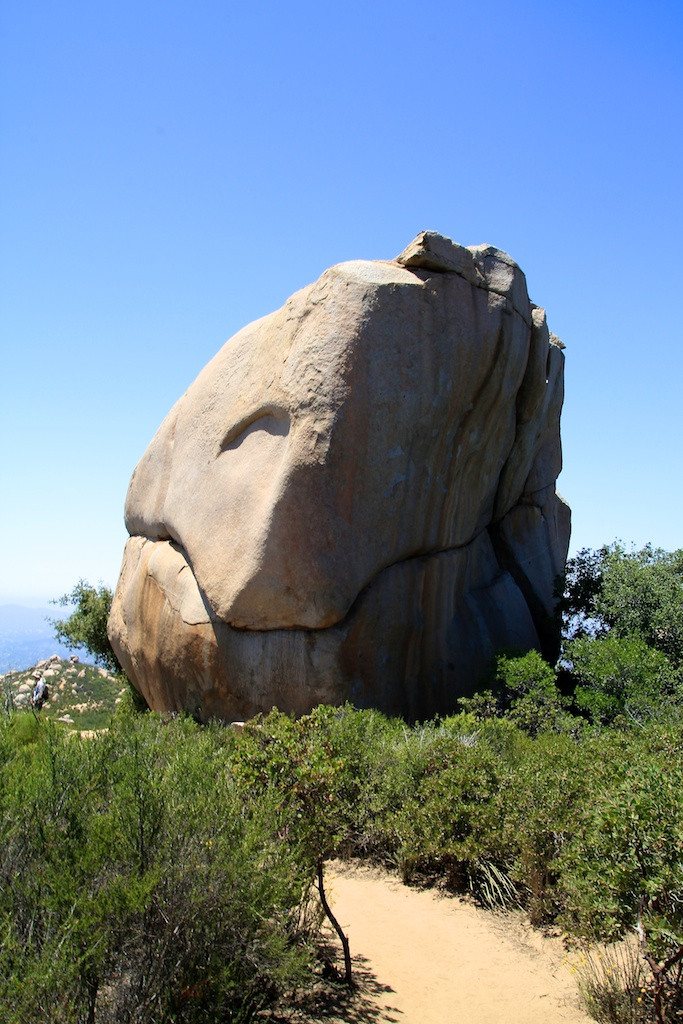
(620, 677)
(87, 625)
(581, 590)
(632, 593)
(623, 624)
(642, 595)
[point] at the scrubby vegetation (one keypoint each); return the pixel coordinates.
(135, 882)
(165, 871)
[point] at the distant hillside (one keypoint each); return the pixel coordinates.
(27, 637)
(83, 696)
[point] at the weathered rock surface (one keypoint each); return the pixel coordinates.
(355, 499)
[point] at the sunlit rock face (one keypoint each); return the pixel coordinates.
(355, 500)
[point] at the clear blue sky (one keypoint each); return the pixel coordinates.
(170, 171)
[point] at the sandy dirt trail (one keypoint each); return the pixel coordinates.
(424, 958)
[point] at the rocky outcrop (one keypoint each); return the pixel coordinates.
(355, 499)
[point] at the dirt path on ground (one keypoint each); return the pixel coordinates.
(424, 958)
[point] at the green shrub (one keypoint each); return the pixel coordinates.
(538, 803)
(530, 693)
(163, 871)
(621, 680)
(525, 692)
(627, 862)
(446, 816)
(136, 885)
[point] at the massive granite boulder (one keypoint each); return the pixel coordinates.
(355, 500)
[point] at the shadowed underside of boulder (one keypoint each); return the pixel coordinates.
(355, 500)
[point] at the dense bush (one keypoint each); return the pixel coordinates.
(163, 871)
(524, 692)
(582, 824)
(622, 680)
(626, 863)
(136, 885)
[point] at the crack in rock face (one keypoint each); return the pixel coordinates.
(355, 500)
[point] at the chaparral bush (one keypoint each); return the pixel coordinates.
(163, 871)
(625, 869)
(460, 798)
(136, 885)
(622, 680)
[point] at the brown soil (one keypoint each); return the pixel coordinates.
(421, 957)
